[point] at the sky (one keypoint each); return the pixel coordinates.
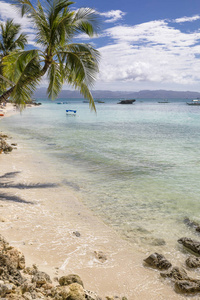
(144, 44)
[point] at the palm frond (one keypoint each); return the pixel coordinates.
(24, 6)
(55, 81)
(82, 60)
(86, 20)
(23, 69)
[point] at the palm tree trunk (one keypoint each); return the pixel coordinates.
(6, 94)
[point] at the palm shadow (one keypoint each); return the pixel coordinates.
(5, 183)
(7, 197)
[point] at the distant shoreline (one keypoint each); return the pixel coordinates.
(150, 94)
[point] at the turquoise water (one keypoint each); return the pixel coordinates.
(136, 166)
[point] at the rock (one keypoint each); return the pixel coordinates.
(3, 136)
(9, 272)
(14, 144)
(17, 258)
(176, 273)
(193, 262)
(100, 256)
(3, 220)
(190, 223)
(73, 291)
(69, 279)
(76, 233)
(190, 244)
(31, 270)
(76, 292)
(60, 292)
(91, 295)
(27, 287)
(41, 278)
(4, 147)
(27, 296)
(126, 101)
(193, 224)
(186, 286)
(158, 261)
(3, 243)
(6, 289)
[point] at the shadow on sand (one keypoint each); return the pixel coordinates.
(5, 184)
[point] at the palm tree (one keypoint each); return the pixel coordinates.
(10, 40)
(58, 57)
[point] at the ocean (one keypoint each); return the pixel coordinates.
(137, 167)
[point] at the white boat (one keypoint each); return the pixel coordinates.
(194, 102)
(70, 112)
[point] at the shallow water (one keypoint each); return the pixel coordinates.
(136, 166)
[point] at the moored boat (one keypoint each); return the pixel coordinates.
(194, 102)
(70, 112)
(126, 101)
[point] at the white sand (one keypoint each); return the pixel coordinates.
(8, 110)
(43, 230)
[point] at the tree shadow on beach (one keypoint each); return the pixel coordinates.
(9, 175)
(5, 183)
(7, 197)
(22, 186)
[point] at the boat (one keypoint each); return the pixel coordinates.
(194, 102)
(126, 101)
(61, 102)
(1, 115)
(70, 112)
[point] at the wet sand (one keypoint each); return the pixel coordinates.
(40, 214)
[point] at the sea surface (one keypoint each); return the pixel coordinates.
(136, 166)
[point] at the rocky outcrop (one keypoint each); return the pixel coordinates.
(69, 279)
(20, 283)
(126, 101)
(182, 282)
(192, 224)
(193, 262)
(100, 256)
(185, 286)
(4, 146)
(190, 244)
(158, 261)
(176, 274)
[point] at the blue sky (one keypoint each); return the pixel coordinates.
(146, 44)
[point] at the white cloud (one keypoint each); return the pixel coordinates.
(9, 11)
(113, 15)
(187, 19)
(152, 52)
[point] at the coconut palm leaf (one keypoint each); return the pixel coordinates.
(24, 74)
(64, 61)
(55, 80)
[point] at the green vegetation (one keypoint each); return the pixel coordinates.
(10, 40)
(57, 57)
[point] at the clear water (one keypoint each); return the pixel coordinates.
(136, 166)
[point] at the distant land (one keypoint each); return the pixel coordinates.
(157, 94)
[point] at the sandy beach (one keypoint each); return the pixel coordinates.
(63, 239)
(8, 110)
